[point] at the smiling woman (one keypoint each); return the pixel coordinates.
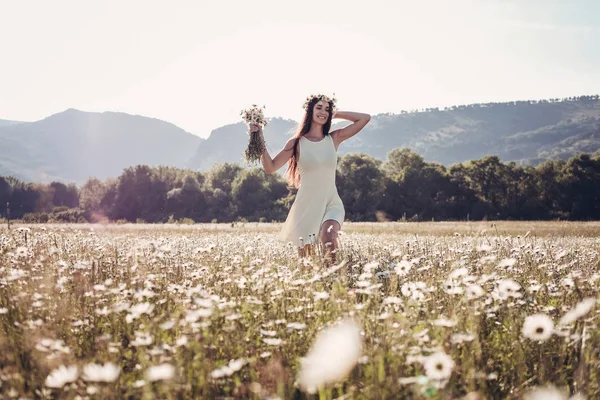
(317, 213)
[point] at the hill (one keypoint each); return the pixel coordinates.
(5, 122)
(74, 145)
(227, 143)
(524, 131)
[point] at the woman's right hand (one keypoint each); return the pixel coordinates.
(254, 128)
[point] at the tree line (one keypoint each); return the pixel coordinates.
(403, 187)
(584, 100)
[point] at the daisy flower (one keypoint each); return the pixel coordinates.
(438, 366)
(61, 376)
(334, 353)
(538, 327)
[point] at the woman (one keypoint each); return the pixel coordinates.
(317, 210)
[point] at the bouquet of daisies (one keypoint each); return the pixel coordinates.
(256, 144)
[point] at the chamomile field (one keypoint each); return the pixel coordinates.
(478, 310)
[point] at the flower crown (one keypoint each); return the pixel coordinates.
(323, 97)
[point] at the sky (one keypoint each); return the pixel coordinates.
(197, 63)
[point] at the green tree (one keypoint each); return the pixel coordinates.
(463, 200)
(188, 201)
(361, 184)
(523, 197)
(551, 190)
(487, 177)
(420, 190)
(65, 196)
(92, 199)
(219, 205)
(581, 177)
(401, 160)
(23, 197)
(393, 202)
(253, 193)
(134, 187)
(4, 195)
(221, 176)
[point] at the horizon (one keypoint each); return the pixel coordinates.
(409, 111)
(196, 66)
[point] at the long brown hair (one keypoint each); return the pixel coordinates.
(292, 173)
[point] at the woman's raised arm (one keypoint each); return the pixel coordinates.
(359, 121)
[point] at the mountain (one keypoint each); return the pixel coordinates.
(227, 143)
(73, 145)
(524, 131)
(5, 122)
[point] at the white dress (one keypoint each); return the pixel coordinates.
(317, 199)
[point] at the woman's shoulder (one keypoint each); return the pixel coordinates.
(290, 144)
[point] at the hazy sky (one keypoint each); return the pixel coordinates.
(198, 63)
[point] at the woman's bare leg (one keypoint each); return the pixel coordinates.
(329, 240)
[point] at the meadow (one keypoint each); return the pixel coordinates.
(439, 310)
